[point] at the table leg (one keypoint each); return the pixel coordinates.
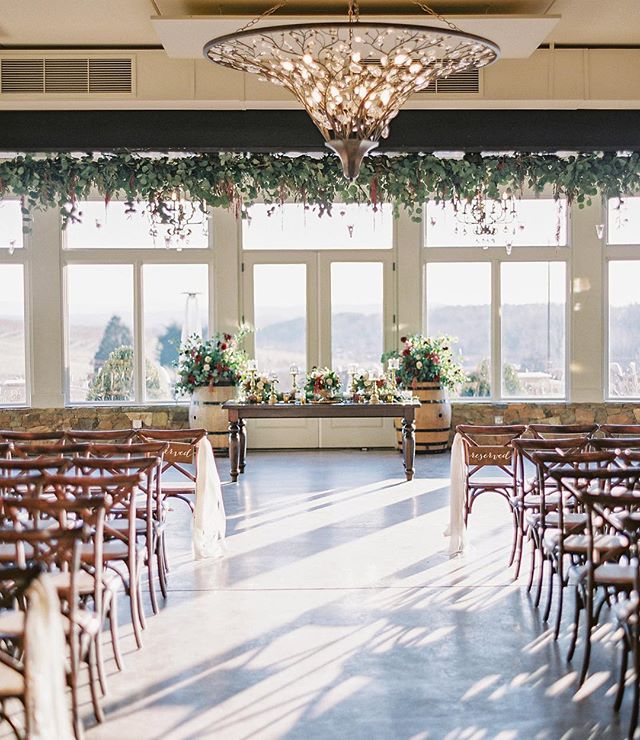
(408, 446)
(234, 449)
(242, 447)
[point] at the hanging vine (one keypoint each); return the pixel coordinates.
(232, 180)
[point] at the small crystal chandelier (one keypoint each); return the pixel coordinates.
(486, 215)
(352, 76)
(176, 218)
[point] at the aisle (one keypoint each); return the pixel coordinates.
(337, 613)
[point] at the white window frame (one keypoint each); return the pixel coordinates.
(495, 256)
(613, 253)
(23, 256)
(137, 258)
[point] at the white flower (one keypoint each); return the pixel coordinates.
(207, 359)
(328, 381)
(418, 364)
(206, 367)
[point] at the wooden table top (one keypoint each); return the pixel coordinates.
(320, 410)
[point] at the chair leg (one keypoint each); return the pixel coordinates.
(540, 579)
(532, 564)
(586, 658)
(576, 625)
(624, 658)
(113, 628)
(552, 577)
(562, 585)
(138, 592)
(102, 677)
(514, 545)
(151, 579)
(134, 605)
(93, 683)
(162, 566)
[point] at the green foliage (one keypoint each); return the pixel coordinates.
(233, 180)
(216, 361)
(114, 380)
(426, 359)
(116, 334)
(169, 342)
(478, 382)
(512, 385)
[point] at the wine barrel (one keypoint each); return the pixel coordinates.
(433, 419)
(206, 412)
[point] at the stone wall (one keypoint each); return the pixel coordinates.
(174, 416)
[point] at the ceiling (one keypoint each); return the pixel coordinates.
(126, 23)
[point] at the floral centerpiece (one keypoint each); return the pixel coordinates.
(366, 385)
(427, 359)
(255, 387)
(211, 362)
(321, 384)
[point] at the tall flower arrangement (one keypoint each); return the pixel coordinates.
(427, 359)
(219, 360)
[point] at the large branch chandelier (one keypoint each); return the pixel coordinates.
(352, 76)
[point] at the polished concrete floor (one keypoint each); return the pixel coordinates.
(337, 613)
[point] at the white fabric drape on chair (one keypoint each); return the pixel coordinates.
(45, 658)
(209, 519)
(456, 529)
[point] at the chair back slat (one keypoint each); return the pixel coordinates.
(100, 435)
(543, 431)
(619, 430)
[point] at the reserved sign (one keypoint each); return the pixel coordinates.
(489, 455)
(179, 452)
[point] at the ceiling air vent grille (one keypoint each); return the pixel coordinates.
(460, 83)
(57, 75)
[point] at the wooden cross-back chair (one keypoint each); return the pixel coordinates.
(542, 431)
(56, 550)
(148, 506)
(121, 436)
(52, 449)
(611, 501)
(180, 462)
(528, 488)
(563, 531)
(619, 430)
(490, 467)
(615, 443)
(11, 435)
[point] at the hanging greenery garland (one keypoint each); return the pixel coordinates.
(232, 180)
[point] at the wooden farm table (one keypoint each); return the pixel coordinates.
(238, 412)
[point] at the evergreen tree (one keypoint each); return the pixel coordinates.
(169, 342)
(116, 334)
(114, 380)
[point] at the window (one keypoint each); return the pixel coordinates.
(280, 318)
(458, 304)
(176, 305)
(114, 227)
(624, 329)
(356, 316)
(623, 220)
(293, 227)
(13, 389)
(533, 329)
(539, 222)
(10, 225)
(100, 357)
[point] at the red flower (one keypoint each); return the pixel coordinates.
(198, 358)
(227, 337)
(380, 383)
(223, 346)
(403, 339)
(192, 379)
(406, 352)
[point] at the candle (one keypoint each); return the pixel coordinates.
(352, 369)
(293, 369)
(252, 365)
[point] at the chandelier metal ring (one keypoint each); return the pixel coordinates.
(352, 77)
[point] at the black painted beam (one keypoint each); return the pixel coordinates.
(283, 130)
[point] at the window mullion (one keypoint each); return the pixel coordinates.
(138, 334)
(496, 332)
